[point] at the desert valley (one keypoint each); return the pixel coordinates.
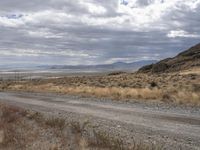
(113, 110)
(100, 75)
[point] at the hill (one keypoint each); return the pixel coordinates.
(118, 66)
(183, 61)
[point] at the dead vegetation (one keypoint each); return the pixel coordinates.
(21, 129)
(181, 88)
(101, 140)
(55, 123)
(11, 117)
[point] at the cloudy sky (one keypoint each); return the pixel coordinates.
(95, 31)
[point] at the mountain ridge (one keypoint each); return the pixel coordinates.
(185, 60)
(114, 66)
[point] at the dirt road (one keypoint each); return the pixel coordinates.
(172, 126)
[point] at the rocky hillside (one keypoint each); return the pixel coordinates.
(183, 61)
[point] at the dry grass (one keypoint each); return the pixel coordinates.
(55, 123)
(101, 140)
(191, 71)
(10, 117)
(113, 92)
(104, 140)
(181, 88)
(20, 129)
(181, 96)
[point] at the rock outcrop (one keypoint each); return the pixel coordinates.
(183, 61)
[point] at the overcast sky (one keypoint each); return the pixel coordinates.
(95, 31)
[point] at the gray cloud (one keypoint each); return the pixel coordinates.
(95, 31)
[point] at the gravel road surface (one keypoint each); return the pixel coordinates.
(175, 127)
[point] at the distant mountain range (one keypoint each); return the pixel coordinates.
(186, 60)
(118, 66)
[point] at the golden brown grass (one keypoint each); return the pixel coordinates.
(112, 92)
(181, 88)
(191, 71)
(181, 96)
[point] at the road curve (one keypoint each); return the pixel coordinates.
(184, 126)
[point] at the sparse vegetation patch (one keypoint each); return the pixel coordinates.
(21, 129)
(180, 88)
